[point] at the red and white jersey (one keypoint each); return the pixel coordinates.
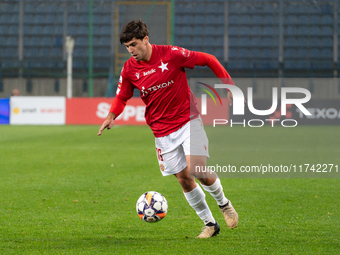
(163, 87)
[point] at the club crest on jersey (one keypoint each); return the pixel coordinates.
(161, 166)
(137, 75)
(163, 66)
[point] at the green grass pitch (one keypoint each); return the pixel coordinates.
(63, 190)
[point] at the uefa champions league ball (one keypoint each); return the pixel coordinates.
(152, 206)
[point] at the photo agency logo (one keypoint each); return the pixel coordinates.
(239, 104)
(204, 97)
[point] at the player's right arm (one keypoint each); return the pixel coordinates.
(123, 94)
(116, 109)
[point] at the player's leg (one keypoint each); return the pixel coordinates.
(227, 209)
(211, 183)
(196, 198)
(198, 148)
(174, 163)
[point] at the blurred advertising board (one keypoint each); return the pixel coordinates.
(37, 110)
(4, 111)
(322, 112)
(93, 111)
(214, 110)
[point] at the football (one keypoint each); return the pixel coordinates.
(152, 206)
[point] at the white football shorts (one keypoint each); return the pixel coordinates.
(171, 150)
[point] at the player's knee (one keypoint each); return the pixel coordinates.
(187, 184)
(207, 180)
(206, 177)
(196, 162)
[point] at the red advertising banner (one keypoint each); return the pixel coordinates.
(93, 111)
(216, 111)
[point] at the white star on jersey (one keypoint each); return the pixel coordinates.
(163, 66)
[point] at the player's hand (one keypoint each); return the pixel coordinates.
(108, 123)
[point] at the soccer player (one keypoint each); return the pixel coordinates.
(157, 71)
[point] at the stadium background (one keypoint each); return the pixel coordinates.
(66, 190)
(259, 42)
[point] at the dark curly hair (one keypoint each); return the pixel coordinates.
(134, 29)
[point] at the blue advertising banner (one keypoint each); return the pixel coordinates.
(4, 111)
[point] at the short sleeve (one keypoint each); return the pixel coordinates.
(125, 87)
(183, 57)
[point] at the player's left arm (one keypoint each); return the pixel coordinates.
(189, 59)
(205, 59)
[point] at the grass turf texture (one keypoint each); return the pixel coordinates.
(66, 191)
